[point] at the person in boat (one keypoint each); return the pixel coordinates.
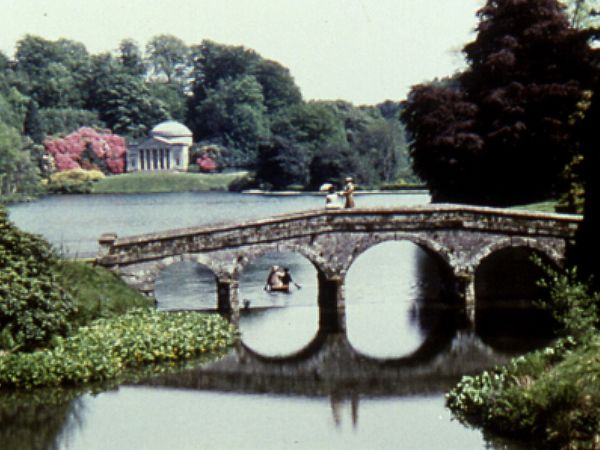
(286, 279)
(279, 280)
(349, 193)
(274, 282)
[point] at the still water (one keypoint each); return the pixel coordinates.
(287, 384)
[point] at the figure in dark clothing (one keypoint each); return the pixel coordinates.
(286, 279)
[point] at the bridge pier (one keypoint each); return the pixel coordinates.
(465, 288)
(227, 295)
(332, 308)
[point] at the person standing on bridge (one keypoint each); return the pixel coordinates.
(331, 199)
(349, 193)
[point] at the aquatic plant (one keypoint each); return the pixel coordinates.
(105, 348)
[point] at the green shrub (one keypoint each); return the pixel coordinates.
(33, 306)
(551, 396)
(571, 302)
(74, 181)
(103, 350)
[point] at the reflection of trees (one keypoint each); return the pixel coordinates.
(37, 420)
(506, 290)
(435, 300)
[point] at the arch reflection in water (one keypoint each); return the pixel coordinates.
(277, 323)
(186, 285)
(506, 290)
(391, 293)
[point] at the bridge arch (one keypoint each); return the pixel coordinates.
(152, 275)
(547, 249)
(250, 255)
(434, 249)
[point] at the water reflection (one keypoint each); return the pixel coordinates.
(37, 420)
(507, 292)
(327, 395)
(277, 323)
(393, 295)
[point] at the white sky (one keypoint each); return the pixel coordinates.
(363, 51)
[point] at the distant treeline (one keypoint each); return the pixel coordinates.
(247, 107)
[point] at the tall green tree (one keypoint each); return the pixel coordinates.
(33, 126)
(168, 58)
(131, 58)
(279, 88)
(281, 164)
(18, 174)
(233, 114)
(53, 73)
(313, 124)
(125, 105)
(214, 62)
(122, 101)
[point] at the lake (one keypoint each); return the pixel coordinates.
(288, 384)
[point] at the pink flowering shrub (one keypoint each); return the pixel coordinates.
(206, 164)
(88, 148)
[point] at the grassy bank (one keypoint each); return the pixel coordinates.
(148, 182)
(97, 292)
(547, 206)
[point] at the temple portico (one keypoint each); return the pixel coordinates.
(167, 148)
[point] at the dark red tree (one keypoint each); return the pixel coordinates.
(527, 71)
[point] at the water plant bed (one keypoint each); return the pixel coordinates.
(107, 347)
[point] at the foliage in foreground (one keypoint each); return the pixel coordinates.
(103, 350)
(33, 305)
(553, 395)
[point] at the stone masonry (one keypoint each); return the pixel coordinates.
(460, 236)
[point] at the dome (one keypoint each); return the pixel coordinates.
(171, 128)
(173, 132)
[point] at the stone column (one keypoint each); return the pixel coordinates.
(332, 309)
(465, 288)
(227, 299)
(105, 243)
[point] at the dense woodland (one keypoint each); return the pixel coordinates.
(241, 107)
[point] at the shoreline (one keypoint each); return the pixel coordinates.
(416, 190)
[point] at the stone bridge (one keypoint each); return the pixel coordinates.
(459, 236)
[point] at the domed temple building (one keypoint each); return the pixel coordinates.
(167, 148)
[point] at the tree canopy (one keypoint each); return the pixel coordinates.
(499, 133)
(231, 98)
